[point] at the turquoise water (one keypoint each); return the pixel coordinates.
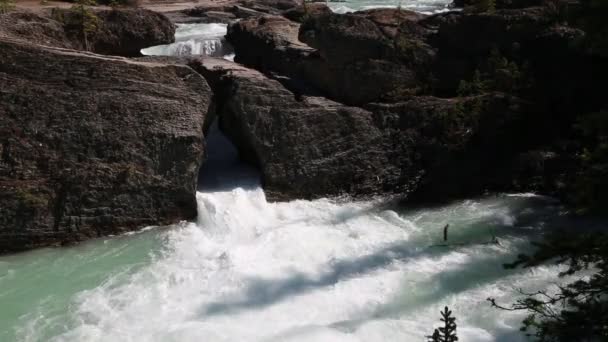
(37, 288)
(249, 270)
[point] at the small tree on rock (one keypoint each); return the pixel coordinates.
(6, 6)
(86, 21)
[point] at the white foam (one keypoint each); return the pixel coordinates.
(422, 6)
(250, 270)
(194, 39)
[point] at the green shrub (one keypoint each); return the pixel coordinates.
(80, 20)
(556, 10)
(496, 73)
(481, 6)
(590, 193)
(576, 311)
(29, 200)
(592, 19)
(6, 6)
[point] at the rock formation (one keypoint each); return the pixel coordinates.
(93, 145)
(310, 147)
(121, 32)
(536, 68)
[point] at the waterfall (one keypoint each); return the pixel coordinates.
(195, 39)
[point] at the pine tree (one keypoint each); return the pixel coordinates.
(87, 21)
(447, 333)
(577, 311)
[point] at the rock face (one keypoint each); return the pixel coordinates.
(385, 55)
(355, 58)
(93, 145)
(395, 65)
(270, 43)
(309, 147)
(305, 147)
(122, 32)
(231, 11)
(302, 13)
(126, 32)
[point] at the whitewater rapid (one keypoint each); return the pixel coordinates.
(421, 6)
(195, 39)
(250, 270)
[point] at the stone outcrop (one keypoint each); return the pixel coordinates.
(352, 58)
(121, 32)
(231, 11)
(394, 64)
(93, 145)
(305, 147)
(302, 13)
(270, 43)
(383, 55)
(126, 32)
(310, 147)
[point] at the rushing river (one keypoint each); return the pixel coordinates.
(422, 6)
(250, 270)
(195, 39)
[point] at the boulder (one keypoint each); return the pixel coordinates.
(231, 11)
(126, 32)
(310, 147)
(269, 43)
(359, 68)
(354, 59)
(120, 32)
(302, 13)
(371, 34)
(93, 145)
(368, 56)
(305, 147)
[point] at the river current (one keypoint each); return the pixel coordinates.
(251, 270)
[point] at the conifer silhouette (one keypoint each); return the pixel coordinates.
(447, 333)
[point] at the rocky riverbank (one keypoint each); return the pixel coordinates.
(378, 102)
